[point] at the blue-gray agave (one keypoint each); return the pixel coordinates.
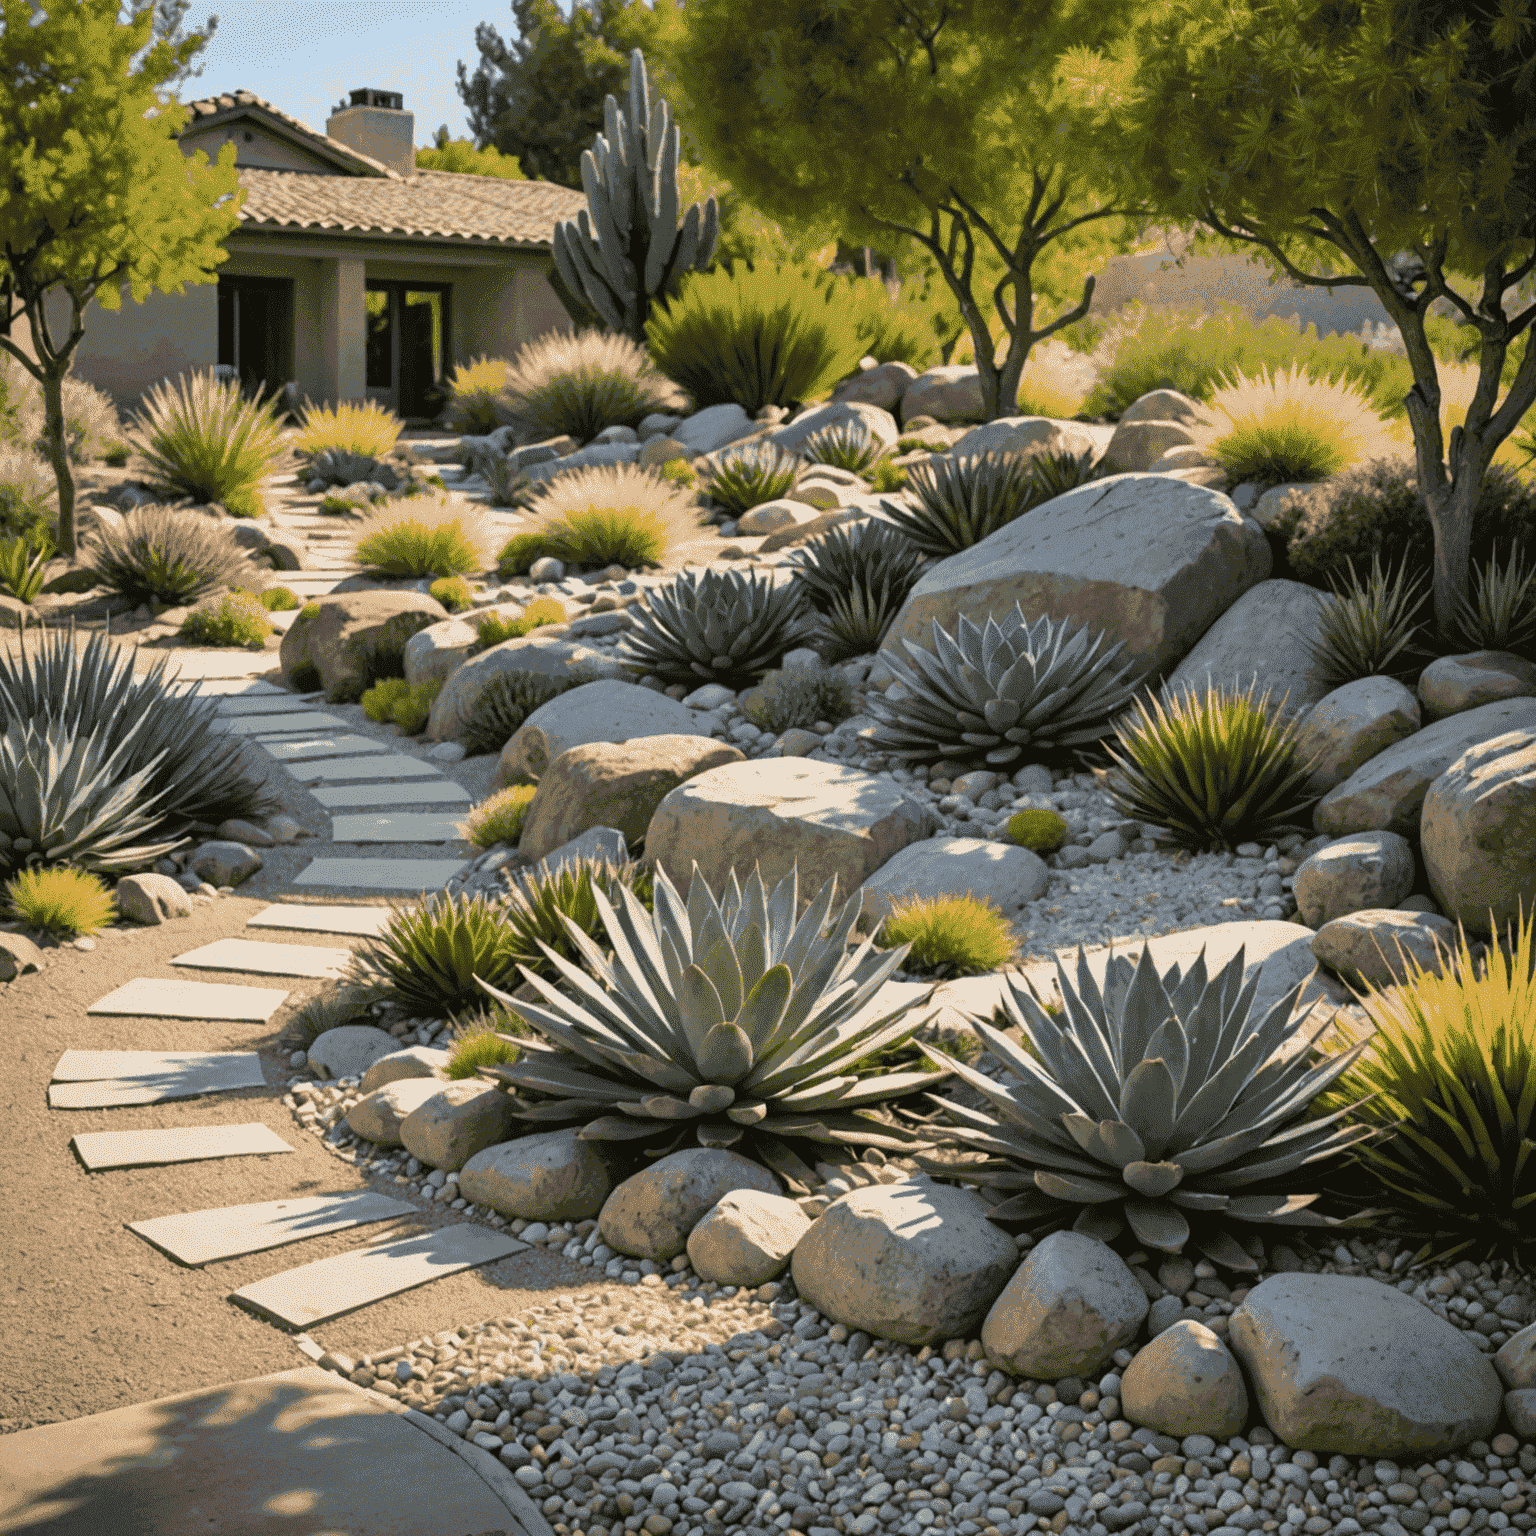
(1159, 1103)
(725, 1023)
(631, 251)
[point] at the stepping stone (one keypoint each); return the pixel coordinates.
(105, 1079)
(181, 1144)
(151, 998)
(392, 794)
(301, 720)
(328, 1287)
(188, 664)
(314, 586)
(278, 702)
(403, 827)
(205, 1237)
(367, 922)
(414, 875)
(231, 688)
(323, 746)
(263, 958)
(395, 766)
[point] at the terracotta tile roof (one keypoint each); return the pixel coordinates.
(242, 103)
(431, 205)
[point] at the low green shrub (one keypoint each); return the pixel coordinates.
(279, 599)
(453, 592)
(63, 901)
(410, 712)
(800, 696)
(236, 618)
(483, 1043)
(494, 628)
(1039, 830)
(115, 455)
(581, 382)
(340, 506)
(475, 394)
(518, 554)
(500, 818)
(681, 472)
(309, 611)
(887, 478)
(950, 935)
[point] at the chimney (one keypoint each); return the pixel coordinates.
(376, 123)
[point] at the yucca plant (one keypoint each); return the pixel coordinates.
(994, 694)
(166, 555)
(846, 447)
(747, 477)
(365, 428)
(870, 554)
(21, 569)
(1215, 769)
(200, 437)
(543, 899)
(408, 538)
(1500, 615)
(1370, 628)
(716, 627)
(500, 708)
(960, 501)
(618, 514)
(1447, 1075)
(716, 1023)
(1157, 1103)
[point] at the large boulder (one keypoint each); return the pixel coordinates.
(433, 653)
(1264, 640)
(1387, 793)
(1368, 946)
(1165, 405)
(1353, 724)
(779, 812)
(379, 1114)
(549, 651)
(1185, 1382)
(1478, 833)
(455, 1121)
(350, 630)
(838, 415)
(650, 1214)
(1369, 869)
(416, 1061)
(955, 866)
(609, 711)
(615, 784)
(1451, 684)
(225, 862)
(882, 385)
(1342, 1363)
(349, 1050)
(549, 1176)
(151, 899)
(1026, 434)
(746, 1238)
(1072, 1303)
(951, 392)
(914, 1262)
(1150, 561)
(1138, 445)
(713, 427)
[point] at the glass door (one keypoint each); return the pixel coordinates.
(407, 334)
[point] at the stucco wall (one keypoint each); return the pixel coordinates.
(255, 147)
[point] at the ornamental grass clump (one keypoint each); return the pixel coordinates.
(499, 819)
(331, 1010)
(410, 538)
(1157, 1106)
(995, 694)
(951, 935)
(1370, 628)
(718, 1024)
(475, 395)
(29, 496)
(365, 428)
(486, 1041)
(172, 556)
(602, 515)
(64, 902)
(453, 592)
(1215, 769)
(1447, 1078)
(747, 477)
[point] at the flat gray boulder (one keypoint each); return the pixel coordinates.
(1387, 793)
(1354, 723)
(950, 392)
(1185, 1382)
(1150, 561)
(1026, 434)
(837, 415)
(1342, 1363)
(1008, 876)
(1451, 684)
(882, 385)
(455, 1121)
(152, 899)
(349, 1050)
(413, 1061)
(914, 1262)
(1071, 1304)
(1367, 946)
(746, 1238)
(1367, 869)
(433, 653)
(777, 812)
(379, 1114)
(712, 428)
(549, 1176)
(650, 1214)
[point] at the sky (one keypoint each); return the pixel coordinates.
(305, 56)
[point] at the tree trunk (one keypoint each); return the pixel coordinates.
(58, 456)
(1451, 509)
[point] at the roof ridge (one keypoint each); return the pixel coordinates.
(214, 106)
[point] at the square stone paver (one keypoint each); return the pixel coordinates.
(204, 1237)
(327, 746)
(394, 766)
(264, 958)
(278, 702)
(179, 1144)
(392, 794)
(210, 664)
(399, 827)
(107, 1079)
(274, 725)
(329, 1287)
(229, 689)
(413, 875)
(367, 922)
(152, 998)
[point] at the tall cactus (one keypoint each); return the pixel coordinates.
(632, 252)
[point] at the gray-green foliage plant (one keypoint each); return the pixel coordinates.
(800, 696)
(631, 250)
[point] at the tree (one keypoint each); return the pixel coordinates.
(1388, 144)
(460, 155)
(95, 194)
(170, 26)
(906, 116)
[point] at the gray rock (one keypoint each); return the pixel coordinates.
(349, 1050)
(1369, 869)
(1105, 847)
(955, 866)
(19, 956)
(225, 863)
(1478, 833)
(1278, 500)
(416, 1061)
(152, 899)
(1515, 1360)
(595, 843)
(350, 629)
(1185, 1382)
(1070, 1306)
(1353, 724)
(837, 415)
(713, 427)
(236, 831)
(652, 1212)
(950, 392)
(1137, 445)
(1163, 1314)
(882, 385)
(1025, 434)
(1452, 684)
(914, 1262)
(1520, 1410)
(1165, 405)
(455, 1121)
(439, 650)
(1363, 947)
(284, 829)
(549, 1176)
(1343, 1363)
(746, 1238)
(380, 1113)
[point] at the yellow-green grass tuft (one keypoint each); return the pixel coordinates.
(950, 935)
(413, 537)
(365, 428)
(500, 818)
(61, 901)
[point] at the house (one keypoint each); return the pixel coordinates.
(352, 274)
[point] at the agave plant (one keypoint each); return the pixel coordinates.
(846, 447)
(1159, 1103)
(1368, 628)
(870, 554)
(748, 477)
(717, 627)
(502, 705)
(858, 622)
(725, 1023)
(994, 694)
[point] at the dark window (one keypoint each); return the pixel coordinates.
(407, 331)
(256, 332)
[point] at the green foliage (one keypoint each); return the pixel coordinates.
(960, 501)
(379, 701)
(200, 437)
(1216, 769)
(244, 502)
(800, 696)
(21, 569)
(361, 427)
(1039, 830)
(1157, 1103)
(309, 612)
(679, 472)
(1500, 615)
(1369, 628)
(500, 818)
(164, 555)
(279, 599)
(453, 592)
(483, 1044)
(893, 331)
(66, 902)
(475, 393)
(338, 506)
(1448, 1081)
(748, 477)
(950, 935)
(236, 618)
(887, 478)
(857, 576)
(503, 704)
(846, 447)
(398, 539)
(493, 628)
(544, 899)
(28, 496)
(406, 704)
(999, 693)
(716, 627)
(744, 1041)
(774, 336)
(518, 554)
(462, 158)
(331, 1010)
(602, 515)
